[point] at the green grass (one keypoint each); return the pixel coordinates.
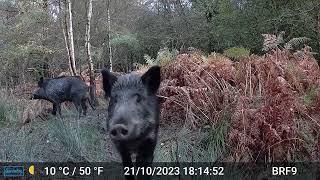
(83, 143)
(70, 139)
(186, 145)
(9, 109)
(3, 115)
(54, 139)
(214, 140)
(304, 129)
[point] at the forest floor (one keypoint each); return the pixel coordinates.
(55, 139)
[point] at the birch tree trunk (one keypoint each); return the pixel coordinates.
(89, 59)
(45, 66)
(318, 26)
(72, 60)
(109, 37)
(64, 27)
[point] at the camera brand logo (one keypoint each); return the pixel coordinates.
(13, 171)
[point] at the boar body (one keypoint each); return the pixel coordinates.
(61, 89)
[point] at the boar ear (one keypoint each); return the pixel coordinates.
(151, 79)
(108, 80)
(40, 82)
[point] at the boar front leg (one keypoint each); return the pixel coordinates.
(54, 109)
(126, 162)
(145, 157)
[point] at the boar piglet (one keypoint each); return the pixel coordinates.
(133, 115)
(61, 89)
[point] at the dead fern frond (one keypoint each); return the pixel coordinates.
(262, 95)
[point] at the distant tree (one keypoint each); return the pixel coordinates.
(122, 32)
(318, 25)
(89, 58)
(45, 67)
(71, 42)
(67, 28)
(127, 48)
(64, 27)
(109, 35)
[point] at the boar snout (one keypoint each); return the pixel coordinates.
(119, 132)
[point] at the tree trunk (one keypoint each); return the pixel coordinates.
(66, 35)
(318, 27)
(109, 37)
(89, 59)
(45, 65)
(72, 60)
(64, 27)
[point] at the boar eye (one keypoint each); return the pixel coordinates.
(115, 99)
(138, 97)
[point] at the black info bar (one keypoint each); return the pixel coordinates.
(164, 170)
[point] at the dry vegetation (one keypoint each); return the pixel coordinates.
(273, 102)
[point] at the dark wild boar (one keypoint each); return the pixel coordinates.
(61, 89)
(133, 115)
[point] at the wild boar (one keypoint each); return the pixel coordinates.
(133, 115)
(61, 89)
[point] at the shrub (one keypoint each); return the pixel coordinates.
(236, 53)
(164, 57)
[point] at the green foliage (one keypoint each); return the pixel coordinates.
(26, 39)
(296, 43)
(29, 33)
(128, 40)
(236, 24)
(164, 56)
(236, 53)
(274, 42)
